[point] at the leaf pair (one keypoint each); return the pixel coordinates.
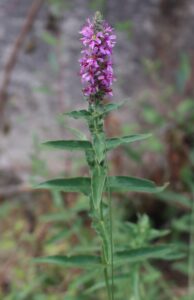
(75, 145)
(85, 114)
(114, 183)
(122, 257)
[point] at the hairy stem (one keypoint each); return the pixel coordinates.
(98, 167)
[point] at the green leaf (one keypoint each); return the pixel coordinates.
(111, 106)
(154, 233)
(134, 184)
(99, 146)
(76, 184)
(97, 185)
(61, 235)
(177, 199)
(77, 133)
(61, 216)
(182, 224)
(83, 250)
(141, 254)
(76, 261)
(69, 145)
(78, 114)
(79, 281)
(115, 142)
(117, 279)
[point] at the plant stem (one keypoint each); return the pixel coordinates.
(135, 279)
(111, 234)
(106, 277)
(98, 168)
(191, 249)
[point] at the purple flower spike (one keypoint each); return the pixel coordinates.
(96, 61)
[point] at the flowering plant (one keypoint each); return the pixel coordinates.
(97, 76)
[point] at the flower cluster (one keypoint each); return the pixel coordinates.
(96, 62)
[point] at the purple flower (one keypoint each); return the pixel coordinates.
(96, 62)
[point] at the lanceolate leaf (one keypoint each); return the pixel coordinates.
(69, 145)
(77, 184)
(134, 184)
(76, 261)
(115, 142)
(78, 114)
(137, 255)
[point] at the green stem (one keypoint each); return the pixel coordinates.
(135, 280)
(191, 249)
(111, 235)
(106, 277)
(99, 170)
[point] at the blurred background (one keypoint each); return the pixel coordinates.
(39, 80)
